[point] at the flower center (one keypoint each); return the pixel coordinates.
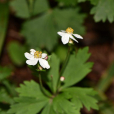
(69, 30)
(38, 54)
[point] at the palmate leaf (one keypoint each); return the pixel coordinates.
(77, 68)
(104, 10)
(40, 32)
(22, 9)
(30, 101)
(31, 89)
(82, 97)
(60, 105)
(27, 105)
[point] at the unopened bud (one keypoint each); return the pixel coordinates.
(46, 58)
(62, 78)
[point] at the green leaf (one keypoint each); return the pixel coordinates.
(76, 68)
(16, 53)
(40, 32)
(30, 89)
(82, 0)
(53, 74)
(40, 6)
(82, 96)
(106, 108)
(31, 99)
(68, 2)
(4, 97)
(61, 52)
(60, 105)
(3, 111)
(4, 14)
(23, 9)
(103, 11)
(69, 18)
(48, 109)
(94, 2)
(27, 105)
(4, 72)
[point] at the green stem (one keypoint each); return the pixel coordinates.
(42, 88)
(64, 66)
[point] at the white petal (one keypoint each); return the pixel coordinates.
(61, 33)
(78, 36)
(29, 56)
(44, 55)
(32, 62)
(44, 63)
(32, 51)
(73, 38)
(65, 39)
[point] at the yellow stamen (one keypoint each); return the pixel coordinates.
(69, 30)
(38, 54)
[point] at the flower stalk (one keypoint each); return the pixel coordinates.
(64, 66)
(42, 88)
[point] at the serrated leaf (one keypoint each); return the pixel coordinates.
(69, 18)
(4, 14)
(4, 72)
(53, 74)
(76, 68)
(63, 106)
(22, 9)
(82, 96)
(31, 99)
(103, 11)
(27, 105)
(40, 32)
(16, 53)
(30, 89)
(48, 109)
(60, 105)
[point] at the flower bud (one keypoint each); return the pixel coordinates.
(62, 78)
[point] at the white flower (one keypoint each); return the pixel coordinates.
(66, 35)
(35, 56)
